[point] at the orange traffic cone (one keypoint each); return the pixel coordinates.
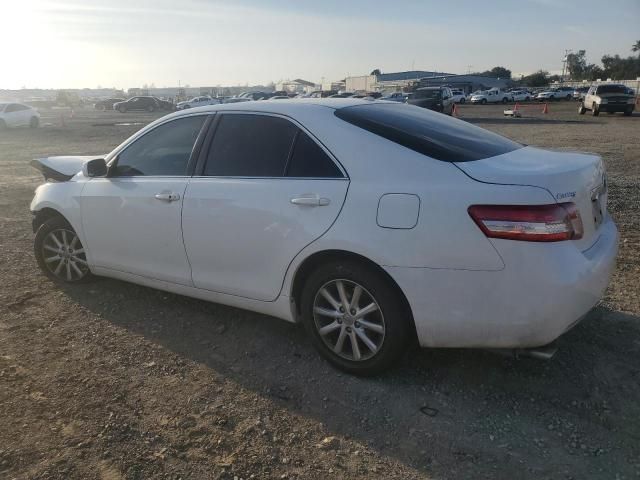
(515, 108)
(545, 110)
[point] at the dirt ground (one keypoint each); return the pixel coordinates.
(115, 381)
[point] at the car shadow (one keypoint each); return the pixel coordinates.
(438, 408)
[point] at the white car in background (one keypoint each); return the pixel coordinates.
(18, 115)
(399, 97)
(519, 96)
(197, 102)
(493, 95)
(458, 96)
(372, 223)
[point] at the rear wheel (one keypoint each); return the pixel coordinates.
(505, 100)
(354, 317)
(581, 109)
(60, 253)
(462, 100)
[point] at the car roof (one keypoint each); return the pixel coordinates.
(284, 108)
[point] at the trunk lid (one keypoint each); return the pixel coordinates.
(567, 176)
(61, 168)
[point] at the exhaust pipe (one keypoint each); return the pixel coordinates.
(545, 352)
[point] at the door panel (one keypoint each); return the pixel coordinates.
(128, 229)
(241, 233)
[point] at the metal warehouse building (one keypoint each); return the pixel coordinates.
(468, 83)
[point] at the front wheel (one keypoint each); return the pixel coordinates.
(60, 253)
(526, 99)
(505, 100)
(581, 109)
(355, 318)
(595, 111)
(462, 100)
(483, 101)
(122, 109)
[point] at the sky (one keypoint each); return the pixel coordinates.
(129, 43)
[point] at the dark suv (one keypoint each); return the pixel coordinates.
(150, 104)
(438, 99)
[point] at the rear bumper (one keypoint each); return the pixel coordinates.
(616, 107)
(543, 291)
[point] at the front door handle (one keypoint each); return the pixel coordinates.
(167, 196)
(311, 201)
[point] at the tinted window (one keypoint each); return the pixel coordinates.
(15, 107)
(165, 150)
(433, 134)
(612, 89)
(250, 146)
(427, 94)
(309, 160)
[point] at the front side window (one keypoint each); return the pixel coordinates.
(164, 151)
(247, 145)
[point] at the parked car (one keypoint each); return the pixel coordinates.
(400, 97)
(342, 95)
(198, 102)
(458, 96)
(438, 99)
(608, 97)
(579, 93)
(558, 93)
(107, 103)
(519, 96)
(493, 95)
(148, 103)
(280, 97)
(18, 115)
(450, 234)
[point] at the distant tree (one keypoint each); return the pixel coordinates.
(620, 68)
(537, 79)
(376, 72)
(636, 46)
(500, 72)
(577, 64)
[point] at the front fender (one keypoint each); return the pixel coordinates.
(64, 198)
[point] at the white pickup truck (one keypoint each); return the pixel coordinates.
(494, 95)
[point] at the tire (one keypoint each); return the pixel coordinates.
(56, 261)
(526, 99)
(150, 108)
(483, 101)
(122, 109)
(388, 323)
(568, 98)
(505, 100)
(628, 112)
(462, 100)
(581, 109)
(595, 111)
(34, 122)
(102, 108)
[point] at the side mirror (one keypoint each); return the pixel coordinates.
(95, 168)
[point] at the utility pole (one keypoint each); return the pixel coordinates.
(564, 63)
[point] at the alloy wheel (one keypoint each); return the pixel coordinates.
(64, 255)
(349, 320)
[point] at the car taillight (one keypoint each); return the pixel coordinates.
(531, 223)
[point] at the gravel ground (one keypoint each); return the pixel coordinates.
(116, 381)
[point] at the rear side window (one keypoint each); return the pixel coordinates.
(250, 146)
(310, 161)
(430, 133)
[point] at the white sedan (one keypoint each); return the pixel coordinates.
(197, 102)
(372, 223)
(18, 115)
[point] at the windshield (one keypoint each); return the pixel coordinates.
(612, 89)
(433, 134)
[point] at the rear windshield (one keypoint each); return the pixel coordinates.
(612, 89)
(427, 94)
(430, 133)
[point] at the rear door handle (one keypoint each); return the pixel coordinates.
(310, 201)
(167, 196)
